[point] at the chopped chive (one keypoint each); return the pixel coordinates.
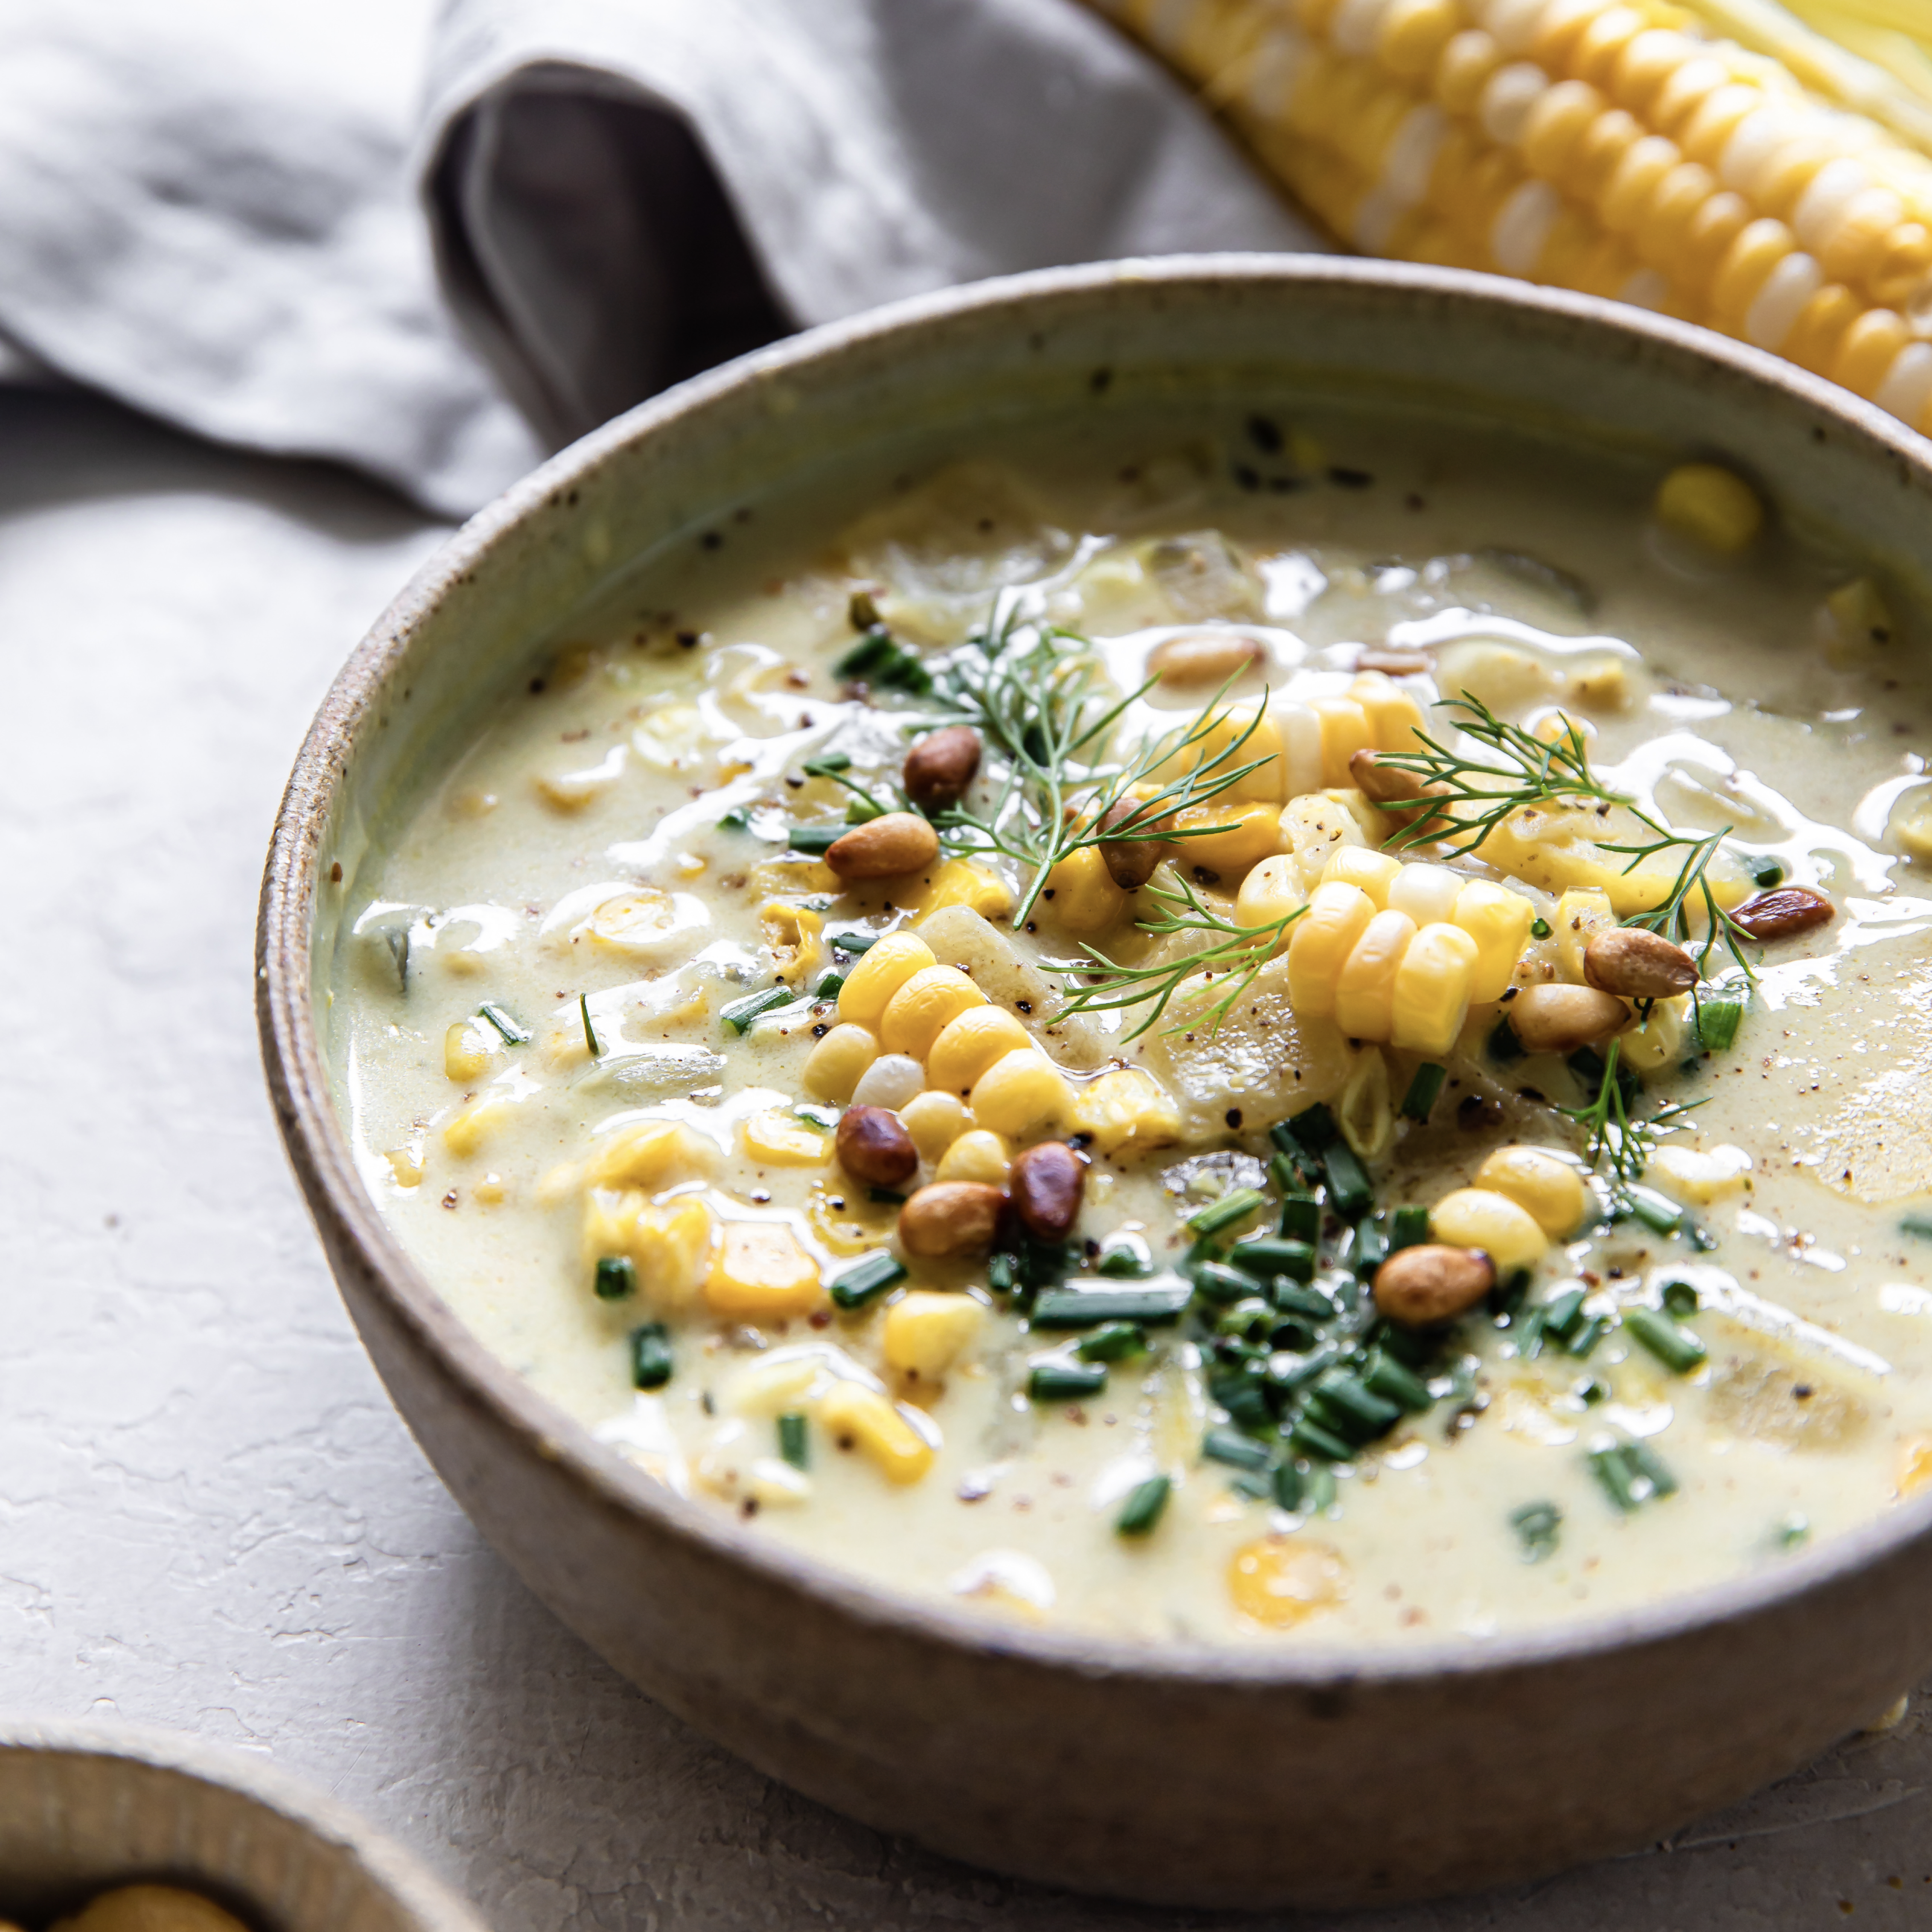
(1506, 1297)
(1236, 1205)
(1541, 929)
(1124, 1262)
(1343, 1403)
(650, 1356)
(1066, 1381)
(1717, 1022)
(861, 809)
(1256, 1487)
(396, 939)
(589, 1031)
(826, 1117)
(1587, 1337)
(829, 986)
(1296, 1173)
(1680, 1297)
(740, 1013)
(1630, 1474)
(1645, 1461)
(1537, 1525)
(1502, 1045)
(814, 839)
(1314, 1127)
(1093, 1307)
(1564, 1316)
(1300, 1218)
(885, 1197)
(1595, 1390)
(735, 820)
(867, 1279)
(867, 652)
(1384, 1376)
(617, 1277)
(1793, 1530)
(1769, 873)
(1142, 1509)
(1408, 1228)
(1317, 1490)
(1368, 1250)
(1223, 1285)
(1288, 1486)
(1264, 1254)
(1238, 1451)
(1003, 1275)
(1349, 1193)
(854, 941)
(513, 1034)
(1310, 1439)
(1424, 1089)
(1919, 1226)
(1112, 1342)
(792, 1441)
(1292, 1298)
(1677, 1348)
(1251, 1319)
(826, 766)
(1661, 1216)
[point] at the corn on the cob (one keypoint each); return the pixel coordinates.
(1779, 190)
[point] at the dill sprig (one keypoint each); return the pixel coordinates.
(1237, 952)
(1048, 713)
(1620, 1142)
(1670, 918)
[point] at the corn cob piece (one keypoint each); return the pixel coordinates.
(1769, 183)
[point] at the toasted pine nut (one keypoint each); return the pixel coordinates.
(1784, 911)
(1131, 861)
(940, 767)
(1046, 1184)
(874, 1147)
(1206, 657)
(950, 1218)
(1419, 1286)
(1638, 964)
(885, 847)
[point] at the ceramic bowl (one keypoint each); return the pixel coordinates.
(1300, 1773)
(84, 1807)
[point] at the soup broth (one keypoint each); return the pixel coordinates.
(1299, 1028)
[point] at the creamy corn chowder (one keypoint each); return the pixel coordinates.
(1308, 1030)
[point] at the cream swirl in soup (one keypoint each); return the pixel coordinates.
(1305, 1031)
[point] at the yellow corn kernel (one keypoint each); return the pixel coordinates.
(1479, 1217)
(1556, 124)
(1280, 1581)
(1365, 987)
(1914, 1465)
(1127, 1109)
(489, 1192)
(835, 1065)
(1579, 917)
(935, 1120)
(1758, 249)
(783, 1140)
(1427, 893)
(1240, 737)
(1871, 346)
(979, 1155)
(1708, 130)
(467, 1049)
(1271, 891)
(1364, 1110)
(1664, 225)
(1412, 34)
(1081, 893)
(1858, 236)
(1547, 1187)
(635, 921)
(964, 882)
(916, 1014)
(791, 933)
(855, 1416)
(1373, 873)
(650, 1154)
(970, 1043)
(1253, 832)
(885, 967)
(1022, 1095)
(1432, 989)
(845, 1225)
(1711, 507)
(468, 1130)
(1693, 1174)
(924, 1333)
(1854, 617)
(1324, 935)
(406, 1165)
(1344, 731)
(1498, 920)
(1395, 719)
(760, 1273)
(1707, 239)
(671, 1245)
(1656, 1040)
(1558, 849)
(1466, 62)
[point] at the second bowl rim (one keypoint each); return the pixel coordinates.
(318, 1148)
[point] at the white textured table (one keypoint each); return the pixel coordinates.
(210, 1517)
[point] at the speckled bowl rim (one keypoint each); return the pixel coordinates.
(320, 1151)
(391, 1868)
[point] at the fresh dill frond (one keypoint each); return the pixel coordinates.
(1620, 1142)
(1237, 953)
(1671, 919)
